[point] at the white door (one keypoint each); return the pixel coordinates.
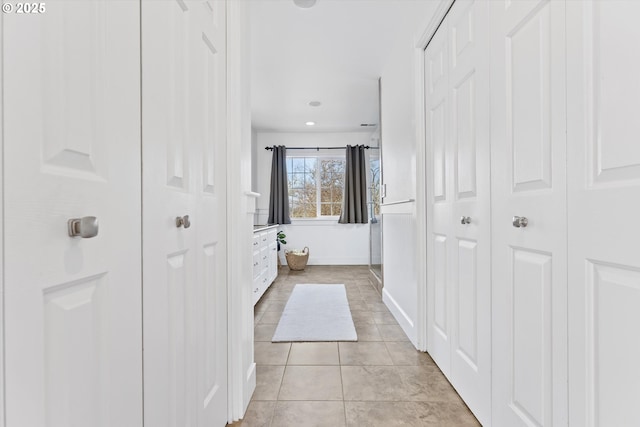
(459, 286)
(469, 233)
(183, 128)
(439, 199)
(604, 201)
(529, 273)
(73, 316)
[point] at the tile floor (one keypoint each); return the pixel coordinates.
(381, 380)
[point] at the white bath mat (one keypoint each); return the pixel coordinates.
(316, 313)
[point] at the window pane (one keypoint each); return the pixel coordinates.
(325, 209)
(337, 209)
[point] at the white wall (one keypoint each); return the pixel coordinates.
(400, 292)
(329, 243)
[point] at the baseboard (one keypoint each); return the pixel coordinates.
(401, 317)
(249, 388)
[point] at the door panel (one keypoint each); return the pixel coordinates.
(439, 196)
(604, 190)
(185, 324)
(528, 161)
(72, 149)
(470, 243)
(457, 105)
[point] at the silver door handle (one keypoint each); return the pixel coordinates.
(183, 221)
(465, 220)
(86, 227)
(520, 221)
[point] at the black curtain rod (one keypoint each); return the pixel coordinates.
(320, 148)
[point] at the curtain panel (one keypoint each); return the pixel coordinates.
(279, 194)
(354, 199)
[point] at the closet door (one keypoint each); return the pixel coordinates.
(439, 196)
(457, 100)
(604, 201)
(469, 232)
(184, 174)
(73, 319)
(529, 257)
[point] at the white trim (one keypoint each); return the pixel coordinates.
(240, 208)
(423, 213)
(401, 316)
(2, 385)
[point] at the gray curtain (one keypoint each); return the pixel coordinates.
(279, 197)
(354, 198)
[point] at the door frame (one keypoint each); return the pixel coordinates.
(241, 368)
(423, 156)
(2, 385)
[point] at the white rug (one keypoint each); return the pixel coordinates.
(316, 313)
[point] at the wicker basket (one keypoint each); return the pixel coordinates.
(296, 261)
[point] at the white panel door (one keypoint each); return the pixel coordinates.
(183, 127)
(529, 295)
(73, 316)
(470, 221)
(439, 199)
(604, 201)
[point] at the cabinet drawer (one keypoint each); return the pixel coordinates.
(257, 264)
(256, 242)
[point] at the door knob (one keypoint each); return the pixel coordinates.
(465, 220)
(183, 221)
(520, 221)
(86, 227)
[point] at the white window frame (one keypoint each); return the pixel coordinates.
(319, 158)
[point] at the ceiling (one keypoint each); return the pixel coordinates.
(333, 52)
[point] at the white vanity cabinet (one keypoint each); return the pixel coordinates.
(265, 259)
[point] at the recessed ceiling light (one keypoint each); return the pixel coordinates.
(305, 4)
(315, 103)
(310, 123)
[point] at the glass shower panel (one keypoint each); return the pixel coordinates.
(375, 219)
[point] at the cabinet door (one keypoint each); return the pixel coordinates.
(529, 274)
(73, 319)
(604, 201)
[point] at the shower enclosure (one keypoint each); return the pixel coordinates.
(375, 219)
(375, 198)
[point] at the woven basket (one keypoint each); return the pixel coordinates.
(295, 261)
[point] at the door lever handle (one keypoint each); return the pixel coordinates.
(183, 221)
(465, 220)
(86, 227)
(520, 221)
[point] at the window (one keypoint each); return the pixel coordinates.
(315, 186)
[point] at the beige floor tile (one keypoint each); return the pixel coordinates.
(364, 353)
(377, 306)
(415, 414)
(276, 305)
(403, 353)
(259, 414)
(382, 318)
(389, 332)
(368, 332)
(311, 383)
(264, 332)
(362, 317)
(314, 353)
(309, 414)
(268, 380)
(272, 317)
(358, 305)
(268, 353)
(376, 383)
(426, 385)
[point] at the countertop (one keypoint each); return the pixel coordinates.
(263, 227)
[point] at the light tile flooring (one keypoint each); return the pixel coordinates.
(381, 380)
